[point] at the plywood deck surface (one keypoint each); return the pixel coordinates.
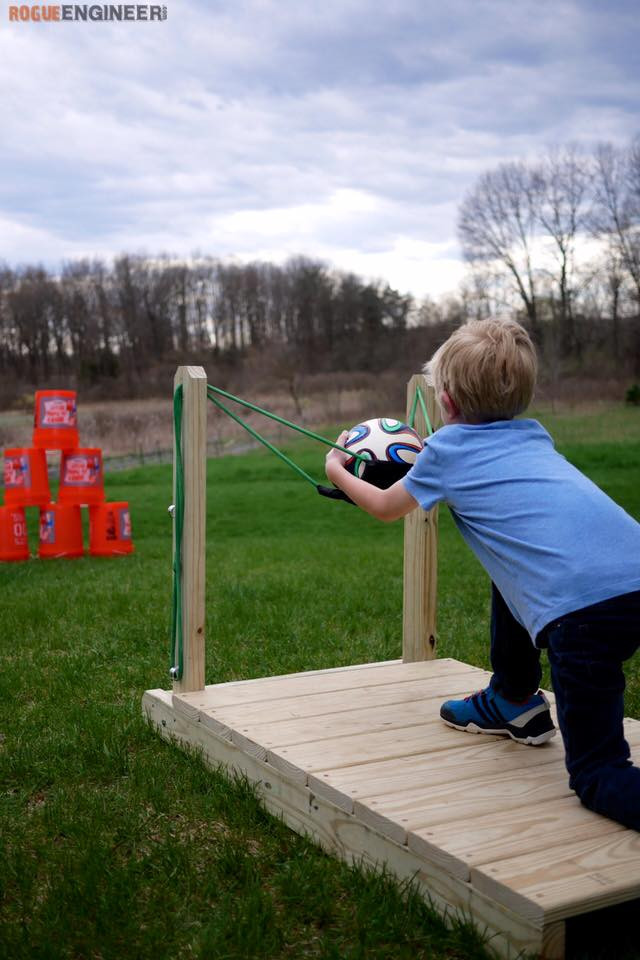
(483, 820)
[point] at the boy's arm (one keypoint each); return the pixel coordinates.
(387, 505)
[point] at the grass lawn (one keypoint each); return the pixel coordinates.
(114, 844)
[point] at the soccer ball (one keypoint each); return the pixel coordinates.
(382, 441)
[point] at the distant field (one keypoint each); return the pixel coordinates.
(142, 429)
(114, 844)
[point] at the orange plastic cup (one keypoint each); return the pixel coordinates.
(55, 421)
(26, 482)
(60, 531)
(110, 530)
(14, 544)
(81, 477)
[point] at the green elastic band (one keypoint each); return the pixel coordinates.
(274, 416)
(256, 435)
(418, 398)
(176, 663)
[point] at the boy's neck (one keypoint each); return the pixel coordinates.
(451, 413)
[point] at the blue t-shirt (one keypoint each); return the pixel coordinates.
(549, 538)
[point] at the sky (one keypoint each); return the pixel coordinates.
(257, 130)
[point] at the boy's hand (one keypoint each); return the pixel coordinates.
(336, 458)
(389, 504)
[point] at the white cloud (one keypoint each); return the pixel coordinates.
(261, 128)
(297, 223)
(24, 240)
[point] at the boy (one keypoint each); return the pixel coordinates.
(563, 558)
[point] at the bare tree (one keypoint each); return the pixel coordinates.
(617, 210)
(8, 349)
(497, 226)
(562, 203)
(31, 305)
(617, 215)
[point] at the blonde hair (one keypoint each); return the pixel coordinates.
(488, 368)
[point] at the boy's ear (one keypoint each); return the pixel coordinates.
(448, 405)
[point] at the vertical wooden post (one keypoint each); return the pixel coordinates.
(420, 552)
(194, 460)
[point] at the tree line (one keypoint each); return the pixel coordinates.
(554, 241)
(95, 322)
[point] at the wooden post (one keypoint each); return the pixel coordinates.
(194, 460)
(420, 552)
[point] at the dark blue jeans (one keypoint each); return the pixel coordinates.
(586, 651)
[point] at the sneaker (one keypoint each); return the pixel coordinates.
(487, 712)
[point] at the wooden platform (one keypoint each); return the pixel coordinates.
(358, 758)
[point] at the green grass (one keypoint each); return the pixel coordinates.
(602, 423)
(115, 844)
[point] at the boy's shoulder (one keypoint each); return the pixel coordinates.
(458, 446)
(493, 431)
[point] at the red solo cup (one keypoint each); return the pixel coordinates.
(110, 530)
(55, 421)
(14, 544)
(26, 482)
(81, 477)
(60, 531)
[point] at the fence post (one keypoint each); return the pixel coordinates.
(420, 552)
(192, 586)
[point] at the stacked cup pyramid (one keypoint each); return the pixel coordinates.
(26, 484)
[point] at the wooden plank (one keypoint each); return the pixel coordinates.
(459, 762)
(463, 844)
(553, 941)
(469, 758)
(420, 553)
(320, 736)
(345, 836)
(337, 702)
(351, 719)
(325, 754)
(507, 934)
(568, 880)
(194, 453)
(303, 685)
(503, 834)
(487, 756)
(248, 681)
(397, 814)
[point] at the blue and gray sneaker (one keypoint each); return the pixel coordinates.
(487, 712)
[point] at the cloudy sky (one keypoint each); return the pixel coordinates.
(341, 129)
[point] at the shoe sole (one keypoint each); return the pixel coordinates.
(527, 741)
